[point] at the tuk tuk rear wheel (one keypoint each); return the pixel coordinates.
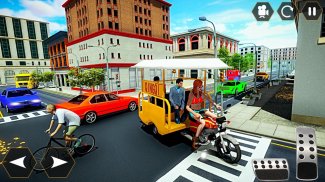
(154, 130)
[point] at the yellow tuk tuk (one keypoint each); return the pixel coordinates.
(154, 106)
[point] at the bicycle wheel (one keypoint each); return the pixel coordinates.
(39, 155)
(86, 145)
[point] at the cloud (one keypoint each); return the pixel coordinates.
(45, 8)
(55, 27)
(40, 11)
(223, 2)
(231, 16)
(272, 36)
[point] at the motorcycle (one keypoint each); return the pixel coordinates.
(214, 136)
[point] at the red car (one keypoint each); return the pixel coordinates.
(93, 104)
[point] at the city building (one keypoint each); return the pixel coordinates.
(308, 99)
(22, 49)
(198, 43)
(58, 57)
(284, 58)
(121, 32)
(263, 56)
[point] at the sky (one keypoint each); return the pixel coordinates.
(233, 18)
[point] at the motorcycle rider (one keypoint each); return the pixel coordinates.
(195, 106)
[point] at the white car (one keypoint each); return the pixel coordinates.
(291, 75)
(41, 85)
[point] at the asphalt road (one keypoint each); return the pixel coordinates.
(126, 152)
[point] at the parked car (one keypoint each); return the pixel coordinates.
(51, 85)
(262, 76)
(232, 87)
(41, 85)
(291, 75)
(90, 106)
(18, 98)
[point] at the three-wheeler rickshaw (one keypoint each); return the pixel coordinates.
(155, 109)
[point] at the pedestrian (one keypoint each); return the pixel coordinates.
(177, 100)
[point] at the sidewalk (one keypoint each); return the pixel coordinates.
(255, 120)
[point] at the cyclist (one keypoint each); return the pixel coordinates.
(64, 117)
(194, 106)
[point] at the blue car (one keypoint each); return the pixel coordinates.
(18, 98)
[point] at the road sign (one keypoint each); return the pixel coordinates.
(58, 163)
(262, 11)
(19, 163)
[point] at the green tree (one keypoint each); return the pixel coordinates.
(93, 77)
(223, 54)
(248, 62)
(37, 77)
(75, 77)
(236, 61)
(48, 76)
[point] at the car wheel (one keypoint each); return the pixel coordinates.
(155, 130)
(7, 109)
(90, 117)
(132, 106)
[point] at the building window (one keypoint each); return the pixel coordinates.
(115, 13)
(143, 45)
(3, 26)
(118, 55)
(145, 21)
(118, 41)
(31, 30)
(146, 32)
(141, 31)
(150, 46)
(181, 44)
(136, 19)
(44, 63)
(102, 23)
(100, 56)
(135, 8)
(5, 48)
(20, 49)
(17, 28)
(110, 25)
(112, 55)
(140, 9)
(114, 2)
(44, 34)
(109, 11)
(140, 56)
(140, 20)
(139, 44)
(195, 42)
(112, 41)
(116, 26)
(22, 63)
(149, 22)
(9, 63)
(39, 63)
(33, 49)
(102, 41)
(136, 30)
(101, 12)
(32, 63)
(147, 45)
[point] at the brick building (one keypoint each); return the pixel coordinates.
(58, 57)
(139, 29)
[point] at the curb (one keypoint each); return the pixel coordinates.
(272, 137)
(58, 93)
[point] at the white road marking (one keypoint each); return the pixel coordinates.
(7, 119)
(246, 174)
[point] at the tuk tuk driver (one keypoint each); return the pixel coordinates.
(195, 105)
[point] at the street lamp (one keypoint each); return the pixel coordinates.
(106, 57)
(215, 83)
(255, 64)
(78, 69)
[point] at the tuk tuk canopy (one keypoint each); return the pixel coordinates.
(195, 63)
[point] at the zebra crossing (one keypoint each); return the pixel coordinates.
(18, 117)
(211, 168)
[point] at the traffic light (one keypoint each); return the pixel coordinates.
(222, 76)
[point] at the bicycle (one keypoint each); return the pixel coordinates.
(86, 146)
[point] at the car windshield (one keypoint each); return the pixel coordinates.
(78, 100)
(22, 78)
(18, 93)
(229, 84)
